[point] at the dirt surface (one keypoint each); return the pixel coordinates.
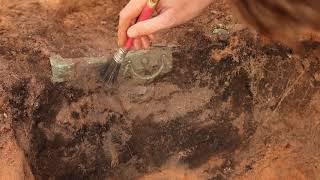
(235, 106)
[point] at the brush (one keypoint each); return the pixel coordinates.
(112, 69)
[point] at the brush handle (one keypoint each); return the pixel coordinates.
(146, 14)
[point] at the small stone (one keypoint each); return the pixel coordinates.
(219, 31)
(214, 12)
(222, 34)
(220, 25)
(141, 90)
(190, 30)
(317, 76)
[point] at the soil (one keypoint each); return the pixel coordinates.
(235, 105)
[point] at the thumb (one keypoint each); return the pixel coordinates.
(151, 26)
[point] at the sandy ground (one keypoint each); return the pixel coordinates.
(235, 106)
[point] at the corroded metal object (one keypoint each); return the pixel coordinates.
(140, 65)
(148, 64)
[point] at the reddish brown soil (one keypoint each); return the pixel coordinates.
(234, 106)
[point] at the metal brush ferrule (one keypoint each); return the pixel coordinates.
(152, 3)
(120, 55)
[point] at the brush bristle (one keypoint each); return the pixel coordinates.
(111, 72)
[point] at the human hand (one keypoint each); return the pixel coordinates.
(170, 13)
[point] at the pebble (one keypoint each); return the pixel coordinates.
(140, 90)
(317, 76)
(219, 31)
(223, 34)
(214, 12)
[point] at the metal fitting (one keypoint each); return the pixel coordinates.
(152, 3)
(120, 55)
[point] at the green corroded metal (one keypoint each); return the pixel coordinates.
(143, 65)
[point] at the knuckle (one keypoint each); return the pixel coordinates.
(123, 14)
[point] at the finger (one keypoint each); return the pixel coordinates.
(137, 44)
(145, 42)
(163, 21)
(127, 15)
(122, 33)
(151, 37)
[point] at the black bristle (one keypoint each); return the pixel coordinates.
(111, 72)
